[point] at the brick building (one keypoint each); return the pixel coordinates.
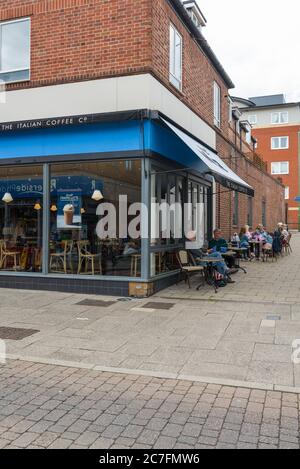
(276, 126)
(106, 98)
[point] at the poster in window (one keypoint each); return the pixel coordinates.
(69, 209)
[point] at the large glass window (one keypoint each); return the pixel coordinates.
(21, 218)
(95, 218)
(178, 206)
(15, 50)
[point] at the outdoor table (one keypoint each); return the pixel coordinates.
(209, 273)
(257, 248)
(239, 252)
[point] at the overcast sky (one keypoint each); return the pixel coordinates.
(258, 43)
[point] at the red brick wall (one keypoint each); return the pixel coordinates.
(198, 72)
(265, 188)
(264, 136)
(73, 40)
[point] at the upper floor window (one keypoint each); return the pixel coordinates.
(15, 50)
(175, 58)
(252, 119)
(280, 118)
(217, 105)
(280, 143)
(287, 193)
(282, 167)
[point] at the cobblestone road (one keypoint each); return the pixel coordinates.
(47, 406)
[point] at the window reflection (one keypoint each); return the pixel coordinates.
(21, 218)
(79, 194)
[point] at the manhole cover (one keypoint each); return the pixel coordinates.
(154, 305)
(12, 333)
(99, 303)
(272, 317)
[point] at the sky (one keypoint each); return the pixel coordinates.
(258, 43)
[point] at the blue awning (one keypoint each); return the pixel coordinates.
(208, 162)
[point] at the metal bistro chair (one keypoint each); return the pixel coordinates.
(268, 253)
(85, 256)
(287, 245)
(187, 266)
(61, 258)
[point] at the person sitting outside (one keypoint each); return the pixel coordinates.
(203, 253)
(244, 242)
(218, 244)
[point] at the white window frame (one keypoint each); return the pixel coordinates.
(280, 172)
(3, 72)
(287, 193)
(252, 118)
(175, 80)
(280, 115)
(217, 105)
(280, 147)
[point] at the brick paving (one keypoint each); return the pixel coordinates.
(48, 406)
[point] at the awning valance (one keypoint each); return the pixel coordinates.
(208, 162)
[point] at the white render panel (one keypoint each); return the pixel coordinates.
(100, 96)
(264, 115)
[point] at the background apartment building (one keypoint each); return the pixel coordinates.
(111, 96)
(276, 127)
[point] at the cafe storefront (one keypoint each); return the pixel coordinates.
(60, 177)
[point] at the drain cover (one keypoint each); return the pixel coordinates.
(155, 305)
(12, 333)
(271, 317)
(100, 303)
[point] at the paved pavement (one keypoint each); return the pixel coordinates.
(48, 406)
(242, 336)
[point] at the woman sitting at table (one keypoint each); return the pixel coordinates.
(244, 242)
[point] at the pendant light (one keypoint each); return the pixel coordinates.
(7, 198)
(97, 195)
(53, 208)
(37, 206)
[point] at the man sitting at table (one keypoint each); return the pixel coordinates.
(219, 265)
(218, 243)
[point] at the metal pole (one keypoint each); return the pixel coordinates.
(146, 214)
(46, 217)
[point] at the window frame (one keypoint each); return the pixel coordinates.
(217, 104)
(253, 121)
(16, 70)
(173, 79)
(279, 114)
(280, 173)
(280, 140)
